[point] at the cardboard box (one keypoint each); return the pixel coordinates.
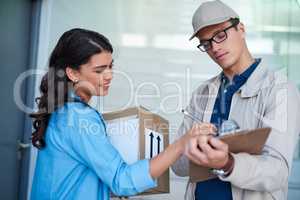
(138, 134)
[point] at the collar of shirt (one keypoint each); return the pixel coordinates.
(226, 91)
(73, 96)
(239, 79)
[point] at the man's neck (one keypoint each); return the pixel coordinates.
(240, 66)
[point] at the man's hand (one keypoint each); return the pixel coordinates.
(205, 150)
(204, 131)
(213, 153)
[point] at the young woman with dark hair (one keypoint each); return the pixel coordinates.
(75, 158)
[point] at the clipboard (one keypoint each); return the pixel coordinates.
(248, 141)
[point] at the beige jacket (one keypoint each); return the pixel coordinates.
(267, 99)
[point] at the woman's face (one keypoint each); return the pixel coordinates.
(95, 76)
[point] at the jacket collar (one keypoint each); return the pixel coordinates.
(250, 88)
(255, 82)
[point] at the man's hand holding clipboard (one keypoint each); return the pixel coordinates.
(247, 141)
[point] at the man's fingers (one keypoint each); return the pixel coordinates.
(203, 139)
(198, 158)
(194, 154)
(206, 148)
(218, 144)
(211, 154)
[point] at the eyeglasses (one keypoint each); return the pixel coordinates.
(219, 37)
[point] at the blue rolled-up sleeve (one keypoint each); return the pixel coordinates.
(141, 176)
(92, 148)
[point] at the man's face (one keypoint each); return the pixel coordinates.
(228, 52)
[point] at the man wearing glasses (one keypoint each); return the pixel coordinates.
(249, 94)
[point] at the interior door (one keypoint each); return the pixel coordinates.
(17, 21)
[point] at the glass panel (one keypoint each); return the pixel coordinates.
(152, 51)
(156, 65)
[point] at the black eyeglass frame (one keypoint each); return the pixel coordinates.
(234, 21)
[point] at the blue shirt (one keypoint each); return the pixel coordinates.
(215, 188)
(79, 162)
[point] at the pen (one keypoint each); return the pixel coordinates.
(190, 116)
(195, 119)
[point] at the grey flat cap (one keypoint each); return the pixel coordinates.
(210, 13)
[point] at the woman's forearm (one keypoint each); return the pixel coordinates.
(160, 163)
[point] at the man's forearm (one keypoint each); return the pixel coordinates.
(259, 173)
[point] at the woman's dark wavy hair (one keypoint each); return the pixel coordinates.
(74, 48)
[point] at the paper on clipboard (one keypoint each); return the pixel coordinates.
(248, 141)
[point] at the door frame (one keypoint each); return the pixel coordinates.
(29, 99)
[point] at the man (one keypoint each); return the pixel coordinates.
(251, 95)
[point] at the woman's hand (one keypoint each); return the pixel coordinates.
(187, 145)
(202, 148)
(199, 132)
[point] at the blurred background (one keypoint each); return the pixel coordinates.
(156, 66)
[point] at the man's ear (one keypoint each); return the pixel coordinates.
(72, 74)
(241, 28)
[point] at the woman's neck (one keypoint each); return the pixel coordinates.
(83, 95)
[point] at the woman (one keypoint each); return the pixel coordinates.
(76, 160)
